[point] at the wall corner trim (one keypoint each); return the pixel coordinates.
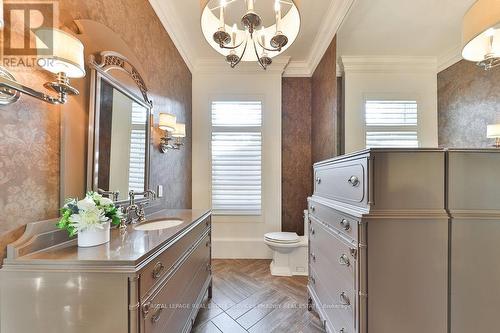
(174, 29)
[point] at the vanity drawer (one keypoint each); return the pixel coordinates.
(153, 272)
(339, 311)
(343, 223)
(343, 181)
(169, 308)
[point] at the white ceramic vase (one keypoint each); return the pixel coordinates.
(95, 237)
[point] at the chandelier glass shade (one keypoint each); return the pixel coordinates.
(250, 30)
(481, 34)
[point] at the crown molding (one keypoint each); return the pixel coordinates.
(297, 69)
(389, 64)
(449, 58)
(219, 66)
(174, 28)
(329, 27)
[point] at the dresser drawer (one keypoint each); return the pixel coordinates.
(338, 311)
(343, 223)
(152, 273)
(343, 181)
(331, 257)
(168, 309)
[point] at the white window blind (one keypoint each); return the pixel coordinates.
(237, 158)
(391, 123)
(137, 148)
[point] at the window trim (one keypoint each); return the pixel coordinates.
(260, 129)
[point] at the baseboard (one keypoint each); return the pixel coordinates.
(240, 248)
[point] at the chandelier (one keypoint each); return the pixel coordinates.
(481, 34)
(236, 30)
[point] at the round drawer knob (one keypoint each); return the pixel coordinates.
(344, 260)
(354, 181)
(345, 225)
(344, 299)
(158, 270)
(313, 208)
(318, 180)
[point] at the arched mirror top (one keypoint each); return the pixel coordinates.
(118, 68)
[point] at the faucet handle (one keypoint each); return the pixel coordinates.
(131, 196)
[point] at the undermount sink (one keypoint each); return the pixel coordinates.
(159, 224)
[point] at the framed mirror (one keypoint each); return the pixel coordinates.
(119, 128)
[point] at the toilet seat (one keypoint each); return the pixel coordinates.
(282, 237)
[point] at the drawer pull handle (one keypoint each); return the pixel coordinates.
(344, 260)
(318, 180)
(342, 330)
(313, 232)
(313, 257)
(156, 317)
(354, 181)
(345, 224)
(145, 308)
(313, 208)
(312, 279)
(344, 299)
(157, 270)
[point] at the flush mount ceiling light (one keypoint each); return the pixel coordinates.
(236, 30)
(481, 34)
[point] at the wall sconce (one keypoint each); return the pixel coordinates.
(66, 61)
(493, 132)
(174, 132)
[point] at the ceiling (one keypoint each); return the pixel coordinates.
(365, 27)
(320, 20)
(404, 28)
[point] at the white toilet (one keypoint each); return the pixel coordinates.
(289, 251)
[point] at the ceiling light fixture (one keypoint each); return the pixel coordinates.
(262, 44)
(481, 34)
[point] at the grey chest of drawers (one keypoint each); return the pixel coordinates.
(379, 242)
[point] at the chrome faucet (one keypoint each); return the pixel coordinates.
(138, 209)
(114, 195)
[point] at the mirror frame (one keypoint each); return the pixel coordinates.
(101, 69)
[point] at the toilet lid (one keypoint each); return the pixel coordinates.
(282, 237)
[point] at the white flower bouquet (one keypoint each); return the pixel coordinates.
(90, 216)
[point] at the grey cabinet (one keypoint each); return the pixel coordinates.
(474, 205)
(379, 242)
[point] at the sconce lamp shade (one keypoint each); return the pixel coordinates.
(493, 131)
(167, 122)
(481, 33)
(180, 131)
(66, 52)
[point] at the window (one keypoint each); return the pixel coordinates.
(137, 148)
(391, 123)
(237, 158)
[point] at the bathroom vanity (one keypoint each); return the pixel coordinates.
(142, 281)
(402, 240)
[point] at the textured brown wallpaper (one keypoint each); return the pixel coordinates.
(324, 106)
(296, 152)
(30, 130)
(468, 100)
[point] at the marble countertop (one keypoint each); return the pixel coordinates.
(127, 248)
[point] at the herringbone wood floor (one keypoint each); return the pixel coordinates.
(247, 298)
